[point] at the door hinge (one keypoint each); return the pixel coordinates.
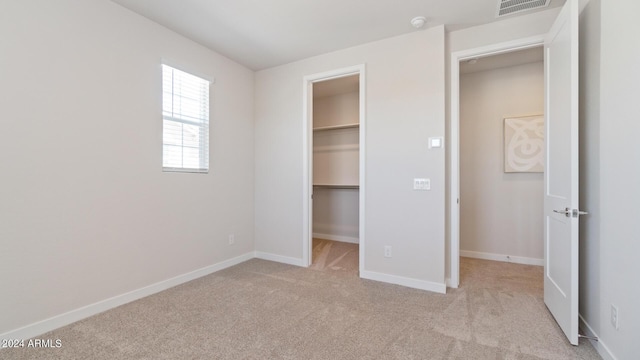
(594, 338)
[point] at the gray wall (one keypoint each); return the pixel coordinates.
(404, 106)
(610, 174)
(86, 212)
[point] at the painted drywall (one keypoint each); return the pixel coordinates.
(510, 29)
(336, 110)
(336, 161)
(336, 151)
(589, 261)
(518, 27)
(336, 214)
(610, 84)
(336, 157)
(86, 212)
(404, 106)
(500, 213)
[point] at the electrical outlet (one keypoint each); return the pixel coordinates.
(421, 184)
(387, 251)
(615, 317)
(232, 239)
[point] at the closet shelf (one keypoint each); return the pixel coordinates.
(333, 186)
(335, 127)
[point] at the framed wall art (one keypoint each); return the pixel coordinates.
(524, 144)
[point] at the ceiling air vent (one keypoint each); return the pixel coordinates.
(508, 7)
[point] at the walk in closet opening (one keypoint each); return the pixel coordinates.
(502, 162)
(335, 162)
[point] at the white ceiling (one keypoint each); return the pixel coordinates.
(265, 33)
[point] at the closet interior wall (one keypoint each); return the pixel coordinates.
(336, 161)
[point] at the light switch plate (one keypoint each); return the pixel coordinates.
(435, 142)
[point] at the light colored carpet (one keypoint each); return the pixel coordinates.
(334, 256)
(265, 310)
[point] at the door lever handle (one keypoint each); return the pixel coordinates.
(568, 212)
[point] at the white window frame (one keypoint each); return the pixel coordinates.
(175, 112)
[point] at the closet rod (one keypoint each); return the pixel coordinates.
(328, 186)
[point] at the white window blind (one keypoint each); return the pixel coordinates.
(185, 117)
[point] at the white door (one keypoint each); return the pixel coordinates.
(561, 171)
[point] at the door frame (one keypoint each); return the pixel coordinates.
(307, 162)
(454, 133)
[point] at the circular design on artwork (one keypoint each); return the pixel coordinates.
(524, 144)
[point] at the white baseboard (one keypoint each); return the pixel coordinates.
(500, 257)
(278, 258)
(404, 281)
(340, 238)
(599, 345)
(72, 316)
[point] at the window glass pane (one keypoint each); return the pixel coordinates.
(191, 135)
(191, 158)
(190, 109)
(172, 132)
(185, 108)
(172, 156)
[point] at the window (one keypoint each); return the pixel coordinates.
(185, 121)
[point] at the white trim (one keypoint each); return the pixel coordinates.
(362, 172)
(307, 171)
(280, 259)
(72, 316)
(502, 257)
(599, 345)
(404, 281)
(339, 238)
(307, 157)
(454, 131)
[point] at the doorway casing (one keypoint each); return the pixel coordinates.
(454, 132)
(307, 151)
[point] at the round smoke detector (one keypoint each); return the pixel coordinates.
(418, 21)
